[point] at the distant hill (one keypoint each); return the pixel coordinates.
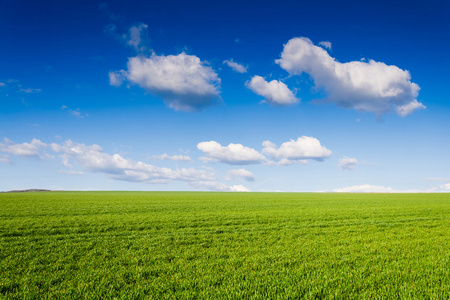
(29, 190)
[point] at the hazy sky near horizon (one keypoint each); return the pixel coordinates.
(307, 96)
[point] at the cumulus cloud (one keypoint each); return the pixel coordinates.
(275, 92)
(235, 66)
(296, 151)
(240, 173)
(365, 86)
(233, 154)
(347, 163)
(289, 153)
(183, 81)
(165, 156)
(32, 149)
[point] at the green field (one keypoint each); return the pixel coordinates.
(188, 245)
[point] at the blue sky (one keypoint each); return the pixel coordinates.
(225, 95)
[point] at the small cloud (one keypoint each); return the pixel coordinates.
(213, 185)
(325, 44)
(116, 78)
(233, 154)
(137, 36)
(239, 188)
(347, 163)
(296, 151)
(275, 92)
(74, 112)
(2, 84)
(235, 66)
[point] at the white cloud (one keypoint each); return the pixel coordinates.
(92, 158)
(116, 78)
(32, 149)
(165, 156)
(235, 66)
(296, 151)
(275, 92)
(240, 173)
(183, 81)
(2, 84)
(365, 86)
(347, 163)
(135, 38)
(218, 186)
(365, 188)
(115, 166)
(445, 186)
(233, 154)
(239, 188)
(325, 44)
(409, 108)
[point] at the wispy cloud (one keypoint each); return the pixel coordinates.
(75, 112)
(235, 66)
(325, 44)
(166, 156)
(240, 173)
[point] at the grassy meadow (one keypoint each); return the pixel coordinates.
(194, 245)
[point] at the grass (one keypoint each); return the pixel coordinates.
(177, 245)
